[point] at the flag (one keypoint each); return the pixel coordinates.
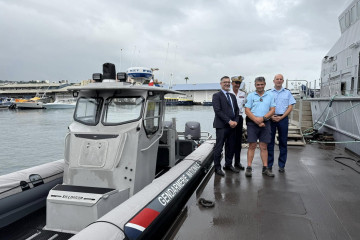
(151, 83)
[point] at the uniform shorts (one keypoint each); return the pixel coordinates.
(254, 132)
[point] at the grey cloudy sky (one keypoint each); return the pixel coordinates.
(199, 39)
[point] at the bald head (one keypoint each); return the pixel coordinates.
(278, 81)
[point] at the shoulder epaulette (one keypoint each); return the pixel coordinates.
(242, 90)
(269, 89)
(287, 89)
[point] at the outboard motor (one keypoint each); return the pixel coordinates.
(192, 130)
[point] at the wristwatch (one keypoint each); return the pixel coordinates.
(265, 119)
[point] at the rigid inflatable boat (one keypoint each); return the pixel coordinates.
(127, 172)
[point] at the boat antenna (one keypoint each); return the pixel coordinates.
(120, 59)
(167, 51)
(137, 59)
(132, 57)
(172, 74)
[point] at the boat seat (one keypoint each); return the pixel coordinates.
(82, 189)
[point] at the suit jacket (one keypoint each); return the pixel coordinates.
(223, 110)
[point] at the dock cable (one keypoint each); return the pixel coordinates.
(328, 107)
(356, 161)
(315, 141)
(206, 203)
(327, 119)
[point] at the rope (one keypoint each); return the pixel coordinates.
(356, 161)
(206, 203)
(344, 111)
(314, 141)
(329, 106)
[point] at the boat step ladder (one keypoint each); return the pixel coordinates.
(295, 136)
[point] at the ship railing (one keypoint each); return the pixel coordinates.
(295, 115)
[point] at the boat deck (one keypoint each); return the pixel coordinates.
(316, 198)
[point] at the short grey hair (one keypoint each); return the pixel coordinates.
(260, 79)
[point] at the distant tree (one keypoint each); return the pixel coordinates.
(186, 79)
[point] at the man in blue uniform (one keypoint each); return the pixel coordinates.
(259, 107)
(284, 104)
(225, 121)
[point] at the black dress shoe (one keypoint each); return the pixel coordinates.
(219, 172)
(231, 168)
(239, 166)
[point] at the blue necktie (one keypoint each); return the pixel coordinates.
(228, 97)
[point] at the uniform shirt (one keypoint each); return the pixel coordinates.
(283, 100)
(257, 107)
(240, 99)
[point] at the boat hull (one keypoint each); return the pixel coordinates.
(207, 104)
(29, 105)
(25, 191)
(345, 126)
(58, 106)
(179, 103)
(17, 206)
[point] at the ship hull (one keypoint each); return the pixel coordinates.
(341, 119)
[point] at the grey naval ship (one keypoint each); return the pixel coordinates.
(337, 109)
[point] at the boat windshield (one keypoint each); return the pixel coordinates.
(88, 110)
(120, 110)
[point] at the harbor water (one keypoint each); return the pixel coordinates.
(33, 137)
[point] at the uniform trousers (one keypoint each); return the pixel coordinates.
(283, 128)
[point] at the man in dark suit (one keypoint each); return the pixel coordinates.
(226, 118)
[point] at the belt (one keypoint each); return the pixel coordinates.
(278, 114)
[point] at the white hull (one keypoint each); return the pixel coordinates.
(59, 105)
(29, 105)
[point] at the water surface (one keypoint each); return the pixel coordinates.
(33, 137)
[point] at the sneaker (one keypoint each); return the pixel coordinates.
(268, 172)
(248, 172)
(281, 170)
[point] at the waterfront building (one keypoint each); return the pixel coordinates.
(199, 92)
(29, 90)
